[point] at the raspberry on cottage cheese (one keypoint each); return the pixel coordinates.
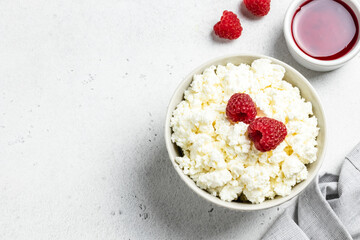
(218, 154)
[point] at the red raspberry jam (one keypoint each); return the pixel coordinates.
(325, 29)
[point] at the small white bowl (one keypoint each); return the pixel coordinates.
(293, 77)
(307, 61)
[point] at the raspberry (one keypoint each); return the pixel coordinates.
(241, 108)
(266, 133)
(229, 26)
(258, 7)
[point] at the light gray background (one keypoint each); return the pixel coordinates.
(84, 87)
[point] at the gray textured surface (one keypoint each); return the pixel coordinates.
(84, 87)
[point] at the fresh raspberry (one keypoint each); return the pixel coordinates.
(241, 108)
(258, 7)
(229, 26)
(266, 133)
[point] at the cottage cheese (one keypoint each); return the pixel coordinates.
(218, 155)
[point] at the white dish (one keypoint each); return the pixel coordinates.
(293, 77)
(307, 61)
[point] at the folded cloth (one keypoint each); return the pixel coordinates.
(327, 209)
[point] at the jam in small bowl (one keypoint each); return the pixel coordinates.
(322, 35)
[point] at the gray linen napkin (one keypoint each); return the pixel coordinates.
(328, 209)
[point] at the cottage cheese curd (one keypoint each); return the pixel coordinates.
(218, 155)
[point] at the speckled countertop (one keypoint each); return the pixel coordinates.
(84, 87)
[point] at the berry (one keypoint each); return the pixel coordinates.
(241, 108)
(229, 26)
(258, 7)
(266, 133)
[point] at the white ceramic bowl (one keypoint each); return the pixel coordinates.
(293, 77)
(307, 61)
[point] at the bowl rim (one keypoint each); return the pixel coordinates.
(204, 194)
(317, 62)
